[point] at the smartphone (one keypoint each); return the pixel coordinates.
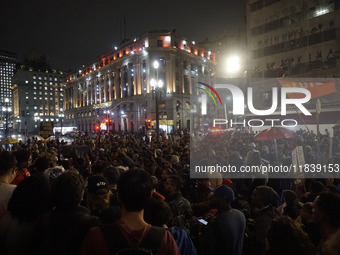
(204, 222)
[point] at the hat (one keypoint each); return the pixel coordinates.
(225, 192)
(96, 183)
(53, 172)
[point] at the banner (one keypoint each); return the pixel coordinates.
(316, 88)
(46, 129)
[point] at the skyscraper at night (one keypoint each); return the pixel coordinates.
(37, 96)
(7, 68)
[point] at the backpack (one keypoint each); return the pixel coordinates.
(118, 244)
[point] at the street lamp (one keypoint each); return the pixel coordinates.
(7, 110)
(61, 115)
(233, 64)
(156, 85)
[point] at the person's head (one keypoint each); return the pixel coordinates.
(223, 197)
(284, 236)
(316, 187)
(98, 192)
(173, 184)
(30, 199)
(8, 166)
(166, 173)
(67, 191)
(264, 196)
(157, 212)
(41, 164)
(112, 174)
(327, 209)
(24, 158)
(306, 212)
(289, 196)
(52, 173)
(134, 189)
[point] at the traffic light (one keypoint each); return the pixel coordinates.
(148, 124)
(106, 120)
(97, 128)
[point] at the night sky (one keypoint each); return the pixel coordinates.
(75, 32)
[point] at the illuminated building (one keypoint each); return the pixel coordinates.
(293, 38)
(37, 96)
(296, 39)
(7, 68)
(117, 86)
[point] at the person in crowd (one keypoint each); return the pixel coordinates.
(134, 191)
(179, 205)
(292, 205)
(326, 213)
(30, 202)
(201, 199)
(224, 233)
(24, 160)
(331, 246)
(65, 228)
(307, 223)
(158, 213)
(284, 236)
(98, 196)
(8, 171)
(112, 174)
(264, 201)
(39, 165)
(316, 187)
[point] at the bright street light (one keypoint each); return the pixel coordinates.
(233, 64)
(153, 82)
(160, 83)
(156, 64)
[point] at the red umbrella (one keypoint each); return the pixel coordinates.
(275, 133)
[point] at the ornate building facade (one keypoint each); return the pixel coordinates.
(118, 91)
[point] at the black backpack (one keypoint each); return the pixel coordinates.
(118, 244)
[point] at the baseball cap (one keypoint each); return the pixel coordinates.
(225, 192)
(96, 183)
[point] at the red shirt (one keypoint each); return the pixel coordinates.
(21, 175)
(95, 244)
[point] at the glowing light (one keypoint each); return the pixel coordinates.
(160, 83)
(233, 64)
(153, 82)
(156, 64)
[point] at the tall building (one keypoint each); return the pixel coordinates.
(119, 90)
(294, 39)
(37, 96)
(7, 68)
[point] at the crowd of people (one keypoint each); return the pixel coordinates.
(127, 194)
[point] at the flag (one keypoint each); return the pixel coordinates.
(316, 88)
